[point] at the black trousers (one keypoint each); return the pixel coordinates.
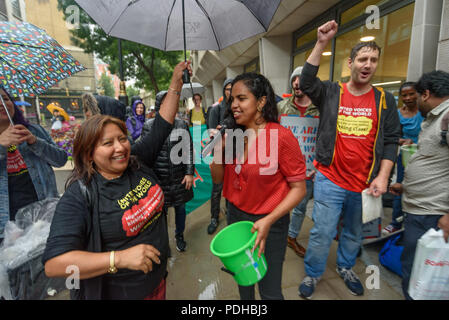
(275, 248)
(215, 200)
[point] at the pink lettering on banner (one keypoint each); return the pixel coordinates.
(196, 177)
(141, 213)
(437, 264)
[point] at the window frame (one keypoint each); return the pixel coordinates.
(335, 13)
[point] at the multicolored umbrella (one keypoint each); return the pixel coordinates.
(31, 61)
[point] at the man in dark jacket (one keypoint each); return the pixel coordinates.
(216, 117)
(175, 178)
(356, 149)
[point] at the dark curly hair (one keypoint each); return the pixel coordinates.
(260, 87)
(437, 82)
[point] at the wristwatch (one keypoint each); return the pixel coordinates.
(112, 269)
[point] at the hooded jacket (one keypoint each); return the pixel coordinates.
(217, 113)
(170, 175)
(135, 122)
(326, 96)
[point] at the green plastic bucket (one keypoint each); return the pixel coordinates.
(407, 151)
(233, 246)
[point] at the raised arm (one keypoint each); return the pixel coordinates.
(169, 107)
(325, 34)
(147, 148)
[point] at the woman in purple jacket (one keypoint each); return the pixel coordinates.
(136, 121)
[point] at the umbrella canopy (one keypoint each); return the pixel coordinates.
(209, 24)
(52, 107)
(31, 61)
(186, 91)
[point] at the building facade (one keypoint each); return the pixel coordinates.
(413, 35)
(46, 15)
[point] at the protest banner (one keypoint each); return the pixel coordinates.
(304, 129)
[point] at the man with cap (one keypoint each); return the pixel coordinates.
(298, 104)
(215, 118)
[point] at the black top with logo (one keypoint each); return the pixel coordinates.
(20, 187)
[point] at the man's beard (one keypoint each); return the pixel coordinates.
(299, 96)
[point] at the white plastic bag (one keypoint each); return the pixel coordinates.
(430, 273)
(371, 207)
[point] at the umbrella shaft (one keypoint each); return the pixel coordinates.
(7, 112)
(184, 30)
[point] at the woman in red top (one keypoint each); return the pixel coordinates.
(265, 179)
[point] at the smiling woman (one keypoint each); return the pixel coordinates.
(27, 154)
(115, 232)
(255, 193)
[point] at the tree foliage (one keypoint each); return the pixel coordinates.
(152, 68)
(105, 83)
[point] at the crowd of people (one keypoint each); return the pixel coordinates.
(111, 221)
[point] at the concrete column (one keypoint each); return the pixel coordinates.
(217, 87)
(209, 96)
(443, 45)
(424, 38)
(232, 72)
(275, 61)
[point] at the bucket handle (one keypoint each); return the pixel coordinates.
(228, 271)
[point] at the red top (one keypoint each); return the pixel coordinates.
(259, 188)
(301, 109)
(356, 134)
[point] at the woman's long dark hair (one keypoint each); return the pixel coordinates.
(260, 87)
(84, 145)
(18, 117)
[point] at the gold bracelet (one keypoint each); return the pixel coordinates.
(175, 91)
(112, 268)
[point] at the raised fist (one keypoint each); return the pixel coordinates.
(327, 31)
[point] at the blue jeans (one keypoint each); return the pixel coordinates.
(299, 212)
(330, 201)
(414, 227)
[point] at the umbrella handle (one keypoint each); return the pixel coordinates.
(185, 76)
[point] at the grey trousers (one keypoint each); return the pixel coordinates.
(276, 245)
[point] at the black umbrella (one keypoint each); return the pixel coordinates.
(182, 24)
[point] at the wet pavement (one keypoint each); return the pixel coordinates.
(195, 274)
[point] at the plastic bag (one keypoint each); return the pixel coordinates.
(371, 207)
(429, 279)
(25, 239)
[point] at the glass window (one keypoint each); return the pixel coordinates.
(359, 10)
(253, 66)
(306, 38)
(15, 5)
(325, 63)
(394, 39)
